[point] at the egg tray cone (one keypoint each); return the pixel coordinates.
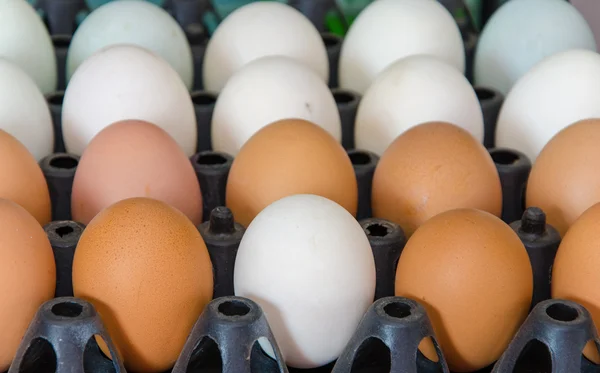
(61, 339)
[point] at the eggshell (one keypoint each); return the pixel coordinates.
(432, 168)
(22, 180)
(412, 91)
(472, 274)
(28, 275)
(575, 272)
(134, 158)
(388, 30)
(267, 90)
(563, 181)
(513, 40)
(24, 40)
(262, 29)
(289, 157)
(304, 259)
(24, 112)
(560, 90)
(126, 82)
(139, 23)
(146, 269)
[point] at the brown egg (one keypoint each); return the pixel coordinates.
(22, 180)
(134, 158)
(472, 274)
(575, 274)
(564, 180)
(291, 156)
(432, 168)
(27, 272)
(146, 269)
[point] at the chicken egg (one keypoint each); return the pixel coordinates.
(267, 90)
(415, 90)
(307, 262)
(257, 30)
(432, 168)
(147, 271)
(134, 158)
(473, 276)
(126, 82)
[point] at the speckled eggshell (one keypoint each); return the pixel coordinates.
(415, 90)
(291, 156)
(134, 159)
(575, 272)
(307, 262)
(27, 273)
(432, 168)
(267, 90)
(472, 274)
(22, 180)
(564, 181)
(146, 269)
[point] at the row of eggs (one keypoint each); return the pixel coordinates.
(546, 96)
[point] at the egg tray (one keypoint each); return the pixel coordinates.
(224, 338)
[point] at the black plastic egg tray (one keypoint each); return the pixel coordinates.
(60, 339)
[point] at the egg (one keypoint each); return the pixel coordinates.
(126, 82)
(24, 112)
(257, 30)
(291, 156)
(513, 40)
(134, 158)
(414, 90)
(575, 270)
(560, 90)
(432, 168)
(563, 179)
(388, 30)
(473, 276)
(267, 90)
(134, 22)
(304, 259)
(25, 41)
(146, 269)
(22, 180)
(28, 275)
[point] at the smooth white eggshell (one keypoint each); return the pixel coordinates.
(126, 82)
(267, 90)
(25, 41)
(415, 90)
(257, 30)
(24, 112)
(132, 22)
(524, 32)
(387, 30)
(307, 262)
(555, 93)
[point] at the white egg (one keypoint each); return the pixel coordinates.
(24, 112)
(522, 33)
(133, 22)
(388, 30)
(126, 82)
(307, 262)
(25, 41)
(560, 90)
(267, 90)
(257, 30)
(415, 90)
